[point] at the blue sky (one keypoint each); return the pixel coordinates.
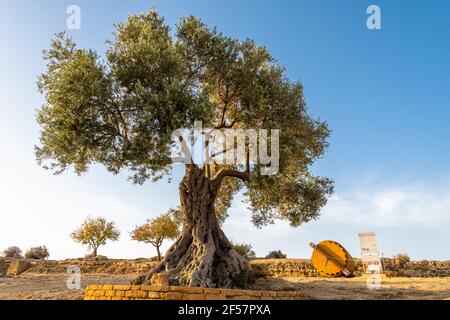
(385, 94)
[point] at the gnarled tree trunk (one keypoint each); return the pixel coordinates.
(202, 256)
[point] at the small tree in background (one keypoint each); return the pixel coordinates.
(244, 250)
(156, 230)
(176, 215)
(94, 232)
(13, 253)
(401, 260)
(276, 255)
(37, 253)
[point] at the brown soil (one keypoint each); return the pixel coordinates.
(356, 288)
(53, 287)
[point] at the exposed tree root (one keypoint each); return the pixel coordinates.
(202, 256)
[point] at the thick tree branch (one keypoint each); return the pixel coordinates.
(185, 149)
(118, 119)
(244, 176)
(218, 178)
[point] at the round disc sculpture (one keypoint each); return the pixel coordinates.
(332, 260)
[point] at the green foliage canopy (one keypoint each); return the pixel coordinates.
(156, 230)
(95, 232)
(244, 250)
(121, 109)
(37, 253)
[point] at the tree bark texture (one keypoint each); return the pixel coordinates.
(202, 256)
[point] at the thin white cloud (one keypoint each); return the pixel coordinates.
(387, 210)
(404, 205)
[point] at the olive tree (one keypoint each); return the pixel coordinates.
(37, 253)
(95, 232)
(13, 253)
(155, 231)
(121, 109)
(244, 250)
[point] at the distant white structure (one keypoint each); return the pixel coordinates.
(371, 259)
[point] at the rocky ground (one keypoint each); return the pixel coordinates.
(356, 288)
(425, 280)
(53, 286)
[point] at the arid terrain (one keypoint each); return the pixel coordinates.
(47, 279)
(356, 288)
(53, 286)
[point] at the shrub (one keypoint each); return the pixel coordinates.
(243, 279)
(37, 253)
(276, 255)
(401, 260)
(13, 253)
(244, 250)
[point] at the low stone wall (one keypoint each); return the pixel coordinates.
(4, 265)
(147, 292)
(17, 267)
(283, 268)
(392, 268)
(95, 265)
(420, 268)
(260, 267)
(91, 265)
(13, 267)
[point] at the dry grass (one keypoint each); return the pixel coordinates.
(53, 286)
(356, 288)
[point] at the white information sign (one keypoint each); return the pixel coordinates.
(371, 260)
